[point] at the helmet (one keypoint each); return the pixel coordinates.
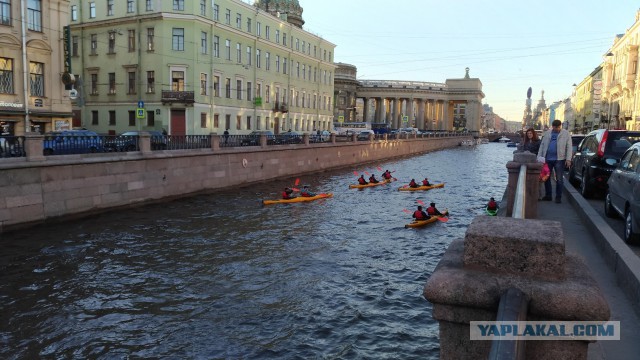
(433, 204)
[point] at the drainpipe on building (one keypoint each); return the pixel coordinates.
(25, 66)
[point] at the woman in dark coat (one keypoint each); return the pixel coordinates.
(531, 141)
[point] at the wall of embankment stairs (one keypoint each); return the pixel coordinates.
(67, 186)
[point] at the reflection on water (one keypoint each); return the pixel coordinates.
(220, 276)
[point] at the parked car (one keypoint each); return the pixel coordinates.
(72, 142)
(253, 139)
(324, 136)
(364, 135)
(623, 194)
(596, 157)
(289, 138)
(129, 141)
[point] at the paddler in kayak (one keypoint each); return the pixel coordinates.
(420, 214)
(362, 181)
(492, 205)
(426, 182)
(431, 210)
(288, 193)
(413, 183)
(306, 192)
(386, 175)
(373, 180)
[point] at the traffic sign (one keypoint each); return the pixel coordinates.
(140, 113)
(405, 119)
(140, 104)
(340, 118)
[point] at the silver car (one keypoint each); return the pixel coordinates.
(623, 194)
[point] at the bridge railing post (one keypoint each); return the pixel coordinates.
(532, 183)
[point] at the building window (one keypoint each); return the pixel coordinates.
(267, 32)
(239, 52)
(132, 118)
(151, 81)
(249, 25)
(74, 45)
(34, 15)
(258, 58)
(277, 36)
(131, 82)
(227, 17)
(249, 57)
(94, 117)
(216, 120)
(112, 118)
(203, 84)
(258, 28)
(132, 40)
(203, 7)
(216, 12)
(249, 89)
(277, 63)
(216, 86)
(178, 39)
(227, 121)
(74, 11)
(227, 88)
(298, 69)
(130, 6)
(248, 122)
(149, 5)
(36, 83)
(216, 46)
(239, 89)
(6, 76)
(238, 122)
(94, 84)
(267, 93)
(150, 35)
(112, 42)
(178, 5)
(304, 72)
(258, 122)
(203, 120)
(239, 21)
(267, 61)
(284, 38)
(284, 65)
(204, 46)
(297, 44)
(109, 7)
(177, 80)
(258, 90)
(151, 118)
(92, 10)
(112, 83)
(228, 49)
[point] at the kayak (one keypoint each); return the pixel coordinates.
(491, 212)
(358, 186)
(421, 223)
(297, 199)
(434, 186)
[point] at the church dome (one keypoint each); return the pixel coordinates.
(288, 10)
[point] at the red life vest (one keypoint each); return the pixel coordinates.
(285, 195)
(431, 210)
(492, 205)
(362, 181)
(418, 215)
(413, 184)
(425, 182)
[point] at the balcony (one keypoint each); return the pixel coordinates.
(185, 97)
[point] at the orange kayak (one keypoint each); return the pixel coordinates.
(297, 199)
(421, 223)
(358, 186)
(434, 186)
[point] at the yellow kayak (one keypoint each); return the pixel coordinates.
(434, 186)
(420, 223)
(358, 186)
(297, 199)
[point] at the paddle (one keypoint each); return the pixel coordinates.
(440, 218)
(296, 184)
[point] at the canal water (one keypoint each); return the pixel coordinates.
(219, 276)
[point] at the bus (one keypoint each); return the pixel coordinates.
(348, 128)
(380, 128)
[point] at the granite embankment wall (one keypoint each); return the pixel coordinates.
(64, 186)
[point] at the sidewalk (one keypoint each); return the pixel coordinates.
(576, 216)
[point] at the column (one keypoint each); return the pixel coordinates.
(394, 112)
(420, 120)
(380, 110)
(410, 112)
(365, 110)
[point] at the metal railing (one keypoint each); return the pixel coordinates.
(520, 199)
(513, 307)
(181, 142)
(12, 146)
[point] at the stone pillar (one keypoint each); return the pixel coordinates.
(305, 139)
(379, 117)
(215, 141)
(410, 113)
(394, 112)
(333, 138)
(499, 253)
(33, 146)
(365, 110)
(421, 124)
(532, 183)
(145, 142)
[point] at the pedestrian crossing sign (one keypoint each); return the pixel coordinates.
(340, 118)
(405, 119)
(140, 113)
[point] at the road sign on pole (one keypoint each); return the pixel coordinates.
(405, 119)
(140, 104)
(140, 113)
(340, 118)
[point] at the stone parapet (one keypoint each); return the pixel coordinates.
(473, 274)
(532, 183)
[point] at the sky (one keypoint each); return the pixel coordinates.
(509, 45)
